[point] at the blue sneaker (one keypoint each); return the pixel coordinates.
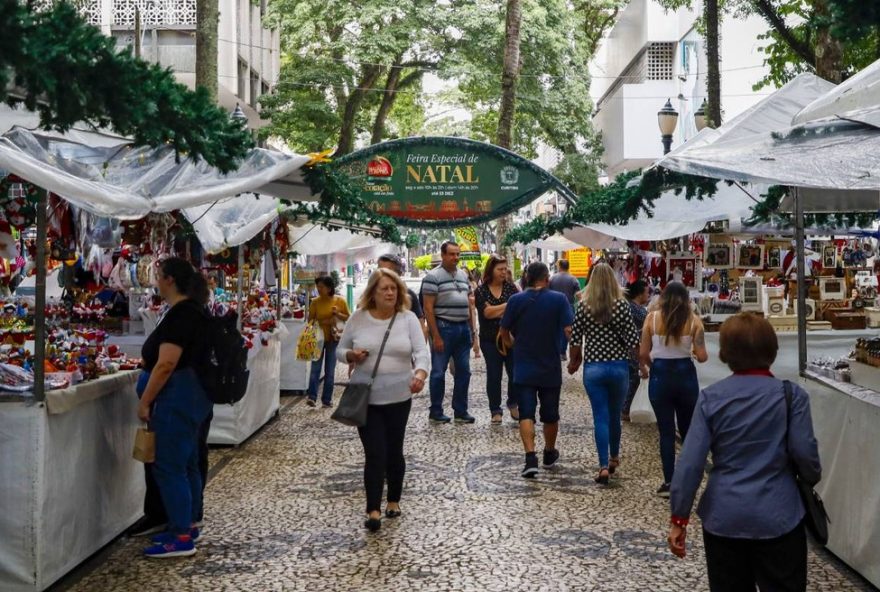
(176, 548)
(167, 537)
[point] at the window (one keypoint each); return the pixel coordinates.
(659, 64)
(242, 79)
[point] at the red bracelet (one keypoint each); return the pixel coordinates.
(678, 521)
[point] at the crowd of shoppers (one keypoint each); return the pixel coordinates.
(752, 515)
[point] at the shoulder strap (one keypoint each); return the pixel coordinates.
(382, 349)
(787, 388)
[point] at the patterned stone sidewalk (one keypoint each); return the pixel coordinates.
(284, 512)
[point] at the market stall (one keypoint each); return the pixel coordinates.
(68, 479)
(826, 153)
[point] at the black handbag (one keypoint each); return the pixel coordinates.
(352, 408)
(816, 518)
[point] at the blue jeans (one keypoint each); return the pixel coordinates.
(673, 390)
(328, 362)
(496, 365)
(607, 384)
(456, 346)
(180, 409)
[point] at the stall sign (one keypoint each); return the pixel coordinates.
(444, 182)
(579, 261)
(468, 242)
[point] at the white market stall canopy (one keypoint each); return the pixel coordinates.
(832, 142)
(108, 176)
(312, 239)
(232, 221)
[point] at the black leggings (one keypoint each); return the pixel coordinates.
(382, 438)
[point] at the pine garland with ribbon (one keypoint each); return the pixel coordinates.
(616, 203)
(68, 71)
(339, 201)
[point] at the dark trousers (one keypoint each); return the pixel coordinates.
(673, 390)
(496, 366)
(382, 438)
(775, 565)
(153, 507)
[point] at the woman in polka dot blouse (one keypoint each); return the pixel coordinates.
(604, 338)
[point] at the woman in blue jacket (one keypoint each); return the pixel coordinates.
(751, 511)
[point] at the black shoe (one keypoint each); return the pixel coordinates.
(530, 471)
(326, 405)
(439, 419)
(372, 524)
(311, 403)
(550, 458)
(393, 513)
(466, 418)
(663, 490)
(146, 526)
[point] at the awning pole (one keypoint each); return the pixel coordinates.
(240, 284)
(40, 302)
(801, 281)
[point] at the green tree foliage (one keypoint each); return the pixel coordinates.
(68, 72)
(553, 104)
(353, 69)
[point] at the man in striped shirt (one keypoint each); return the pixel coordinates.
(446, 293)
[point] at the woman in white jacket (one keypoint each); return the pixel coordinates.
(402, 371)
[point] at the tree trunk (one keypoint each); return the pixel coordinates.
(713, 56)
(509, 78)
(352, 106)
(207, 19)
(829, 51)
(388, 99)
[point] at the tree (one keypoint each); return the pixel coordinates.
(347, 64)
(68, 72)
(207, 20)
(509, 78)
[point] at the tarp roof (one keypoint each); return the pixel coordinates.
(822, 146)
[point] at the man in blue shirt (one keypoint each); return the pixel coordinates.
(535, 319)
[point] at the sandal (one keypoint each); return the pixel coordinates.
(603, 476)
(612, 466)
(393, 513)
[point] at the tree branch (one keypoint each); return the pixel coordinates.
(804, 51)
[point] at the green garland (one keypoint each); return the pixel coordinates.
(340, 201)
(68, 72)
(767, 212)
(617, 203)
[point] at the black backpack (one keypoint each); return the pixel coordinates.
(223, 369)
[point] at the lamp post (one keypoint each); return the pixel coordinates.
(700, 116)
(667, 118)
(237, 114)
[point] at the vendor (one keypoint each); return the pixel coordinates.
(175, 404)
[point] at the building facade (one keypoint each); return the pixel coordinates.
(651, 55)
(249, 55)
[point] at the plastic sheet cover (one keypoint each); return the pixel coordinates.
(837, 152)
(294, 373)
(115, 179)
(311, 239)
(232, 221)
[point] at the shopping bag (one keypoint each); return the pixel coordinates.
(310, 343)
(144, 445)
(641, 411)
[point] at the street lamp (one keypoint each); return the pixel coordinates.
(238, 115)
(667, 118)
(700, 116)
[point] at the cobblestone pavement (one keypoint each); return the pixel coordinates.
(284, 512)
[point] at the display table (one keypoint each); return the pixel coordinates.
(294, 373)
(68, 481)
(233, 424)
(846, 420)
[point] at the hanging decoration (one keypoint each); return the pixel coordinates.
(767, 211)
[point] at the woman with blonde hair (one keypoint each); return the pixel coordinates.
(672, 337)
(383, 337)
(604, 338)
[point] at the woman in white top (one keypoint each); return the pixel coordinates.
(671, 338)
(402, 371)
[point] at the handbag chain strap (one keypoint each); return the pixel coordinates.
(382, 349)
(786, 385)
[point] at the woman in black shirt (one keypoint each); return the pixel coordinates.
(491, 301)
(175, 404)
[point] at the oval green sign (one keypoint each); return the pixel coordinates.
(444, 182)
